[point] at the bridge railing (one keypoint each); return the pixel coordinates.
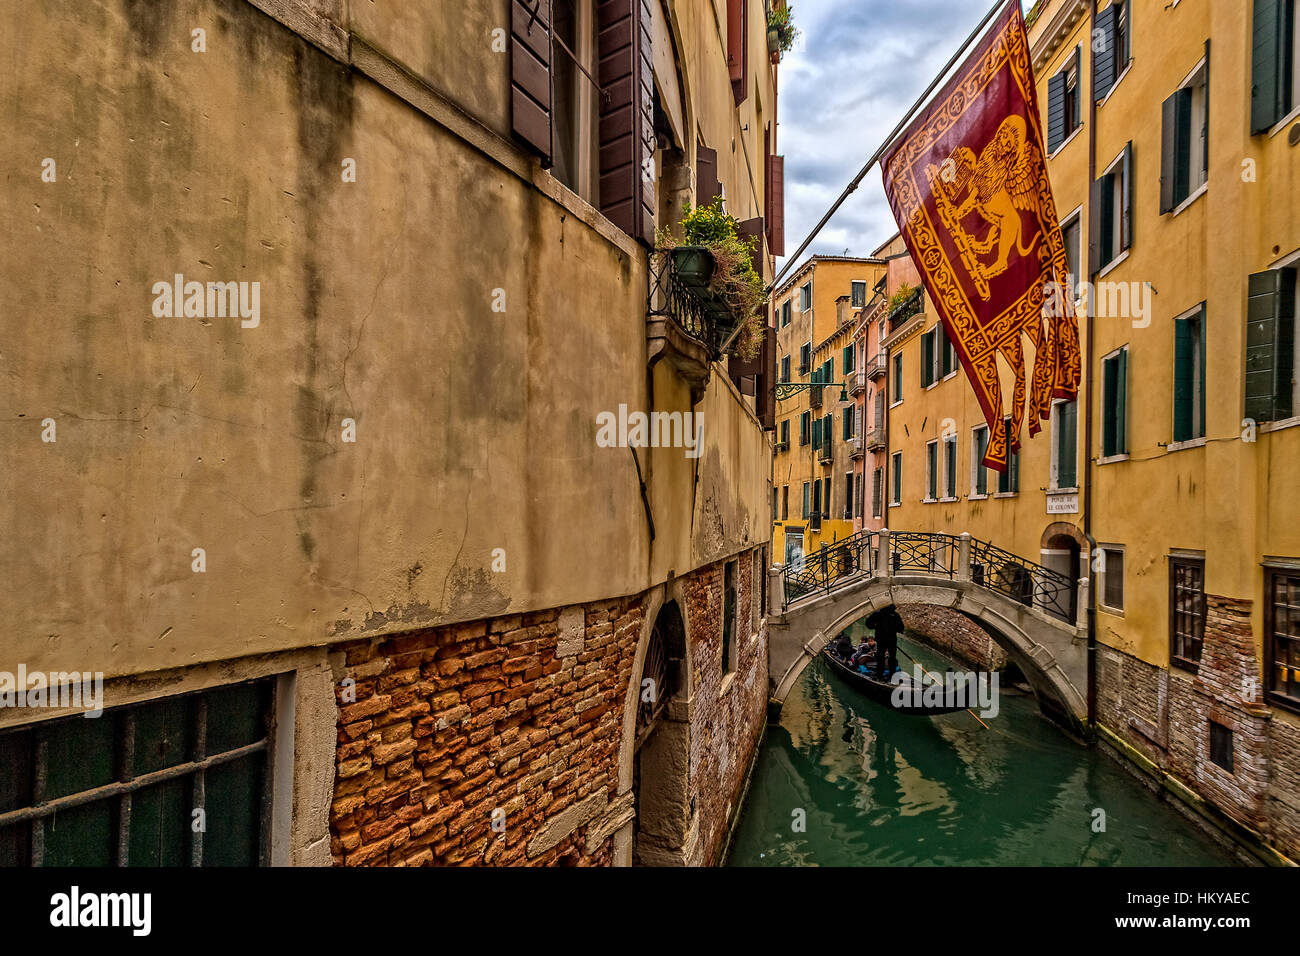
(821, 570)
(956, 557)
(1025, 581)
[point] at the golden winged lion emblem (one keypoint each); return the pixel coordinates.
(998, 185)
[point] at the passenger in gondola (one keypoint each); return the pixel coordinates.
(864, 657)
(842, 647)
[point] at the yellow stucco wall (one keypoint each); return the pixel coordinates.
(475, 428)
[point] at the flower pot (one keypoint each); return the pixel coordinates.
(693, 265)
(773, 40)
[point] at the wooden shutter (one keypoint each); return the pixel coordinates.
(1268, 65)
(1110, 407)
(1130, 192)
(1078, 87)
(1056, 111)
(876, 480)
(1104, 63)
(1169, 147)
(1183, 380)
(1067, 450)
(1270, 345)
(1121, 403)
(530, 74)
(627, 139)
(738, 48)
(707, 185)
(776, 205)
(927, 358)
(753, 229)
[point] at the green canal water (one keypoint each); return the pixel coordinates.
(878, 789)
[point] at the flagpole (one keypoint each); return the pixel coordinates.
(998, 6)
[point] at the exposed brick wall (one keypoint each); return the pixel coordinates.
(452, 723)
(1174, 733)
(524, 713)
(725, 729)
(953, 633)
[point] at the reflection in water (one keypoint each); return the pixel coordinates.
(879, 789)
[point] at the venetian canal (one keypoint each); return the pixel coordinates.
(886, 790)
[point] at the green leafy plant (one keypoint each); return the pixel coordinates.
(899, 298)
(779, 19)
(735, 280)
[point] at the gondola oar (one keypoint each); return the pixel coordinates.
(936, 680)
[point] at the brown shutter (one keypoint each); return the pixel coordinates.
(530, 74)
(707, 185)
(753, 229)
(776, 205)
(738, 48)
(627, 140)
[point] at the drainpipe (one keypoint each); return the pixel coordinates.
(1091, 596)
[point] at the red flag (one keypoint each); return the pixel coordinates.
(968, 185)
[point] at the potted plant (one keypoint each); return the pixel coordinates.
(781, 31)
(732, 292)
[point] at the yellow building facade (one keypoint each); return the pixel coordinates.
(817, 493)
(1170, 486)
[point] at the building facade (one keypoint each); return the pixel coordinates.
(817, 495)
(1174, 153)
(366, 535)
(870, 398)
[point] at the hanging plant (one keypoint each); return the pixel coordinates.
(733, 281)
(781, 31)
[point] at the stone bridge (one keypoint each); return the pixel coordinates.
(1036, 614)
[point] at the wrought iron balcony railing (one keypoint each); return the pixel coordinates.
(858, 380)
(857, 447)
(876, 439)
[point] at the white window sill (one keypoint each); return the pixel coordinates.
(895, 504)
(1077, 130)
(1284, 122)
(1114, 86)
(1184, 445)
(929, 501)
(1061, 491)
(1277, 426)
(1007, 494)
(949, 500)
(894, 405)
(976, 497)
(951, 374)
(1182, 207)
(926, 388)
(1113, 459)
(1114, 611)
(1113, 265)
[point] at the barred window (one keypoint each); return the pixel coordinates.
(1186, 610)
(1282, 636)
(126, 788)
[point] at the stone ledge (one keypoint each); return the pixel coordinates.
(562, 824)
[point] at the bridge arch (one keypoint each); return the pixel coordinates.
(1051, 654)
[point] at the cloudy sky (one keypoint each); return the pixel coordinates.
(858, 65)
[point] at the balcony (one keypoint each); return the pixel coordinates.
(825, 452)
(876, 439)
(858, 380)
(907, 309)
(685, 323)
(877, 367)
(857, 447)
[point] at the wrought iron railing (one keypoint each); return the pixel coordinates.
(1024, 581)
(927, 552)
(935, 553)
(830, 565)
(707, 320)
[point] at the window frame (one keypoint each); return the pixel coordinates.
(1198, 411)
(979, 473)
(896, 473)
(931, 471)
(1271, 695)
(1104, 576)
(950, 458)
(1197, 564)
(1109, 364)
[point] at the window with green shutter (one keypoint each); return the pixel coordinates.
(896, 478)
(1114, 412)
(805, 500)
(826, 500)
(848, 422)
(121, 789)
(980, 448)
(1067, 436)
(898, 376)
(1009, 480)
(1063, 110)
(1184, 156)
(931, 471)
(1273, 91)
(1270, 345)
(927, 358)
(1189, 377)
(847, 359)
(803, 428)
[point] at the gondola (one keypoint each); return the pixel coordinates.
(882, 691)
